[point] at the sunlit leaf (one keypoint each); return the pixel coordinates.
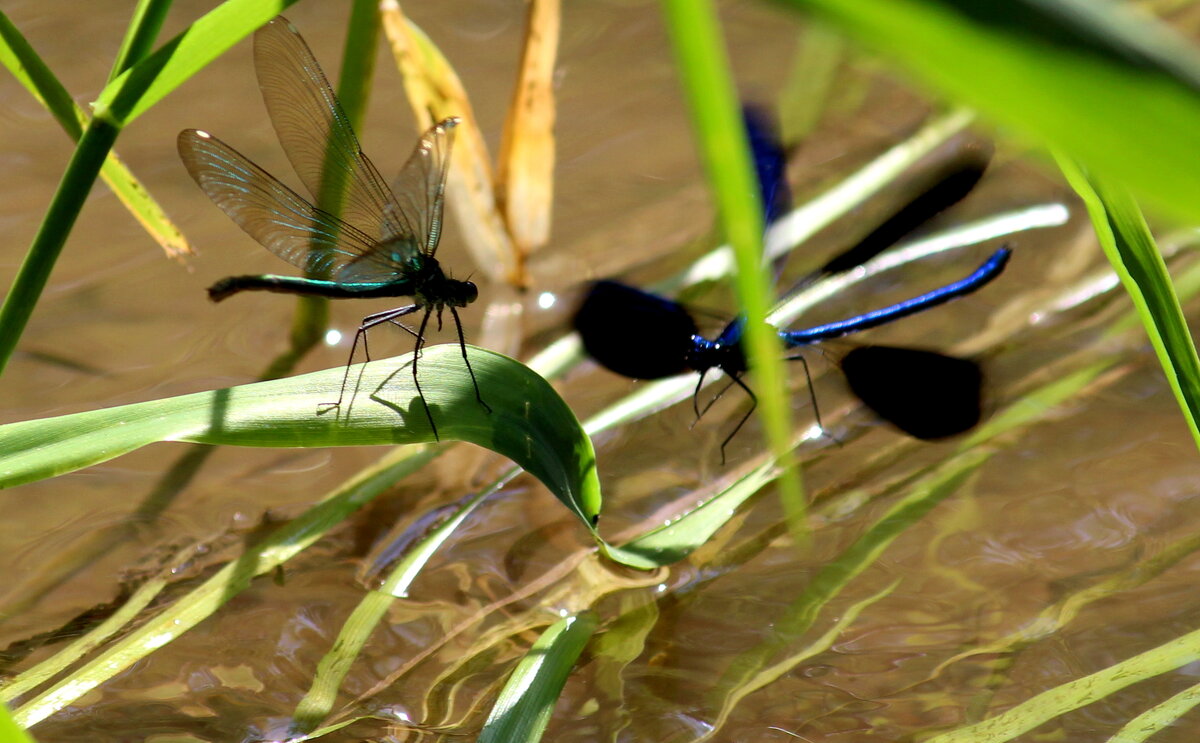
(675, 541)
(27, 67)
(699, 46)
(1130, 247)
(132, 93)
(529, 422)
(1014, 722)
(527, 700)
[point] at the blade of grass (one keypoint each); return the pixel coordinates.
(708, 86)
(1159, 717)
(24, 63)
(147, 20)
(318, 703)
(129, 611)
(228, 582)
(521, 713)
(1130, 247)
(90, 154)
(673, 542)
(358, 60)
(1080, 692)
(144, 84)
(19, 57)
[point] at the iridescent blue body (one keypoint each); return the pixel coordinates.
(926, 394)
(645, 336)
(770, 163)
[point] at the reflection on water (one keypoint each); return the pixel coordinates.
(1068, 548)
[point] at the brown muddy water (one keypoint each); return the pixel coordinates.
(1093, 501)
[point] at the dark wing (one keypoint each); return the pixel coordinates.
(952, 188)
(316, 135)
(925, 394)
(770, 163)
(270, 212)
(634, 333)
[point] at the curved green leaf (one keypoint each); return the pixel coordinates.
(529, 422)
(1127, 241)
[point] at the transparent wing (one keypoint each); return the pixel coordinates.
(275, 215)
(317, 137)
(420, 190)
(421, 186)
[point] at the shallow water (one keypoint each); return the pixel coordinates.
(1100, 489)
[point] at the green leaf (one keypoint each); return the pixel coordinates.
(143, 29)
(529, 422)
(24, 63)
(1126, 240)
(1090, 78)
(725, 152)
(676, 540)
(524, 706)
(19, 58)
(148, 81)
(10, 731)
(1016, 721)
(1159, 717)
(181, 615)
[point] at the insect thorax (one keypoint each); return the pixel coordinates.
(706, 354)
(404, 253)
(433, 288)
